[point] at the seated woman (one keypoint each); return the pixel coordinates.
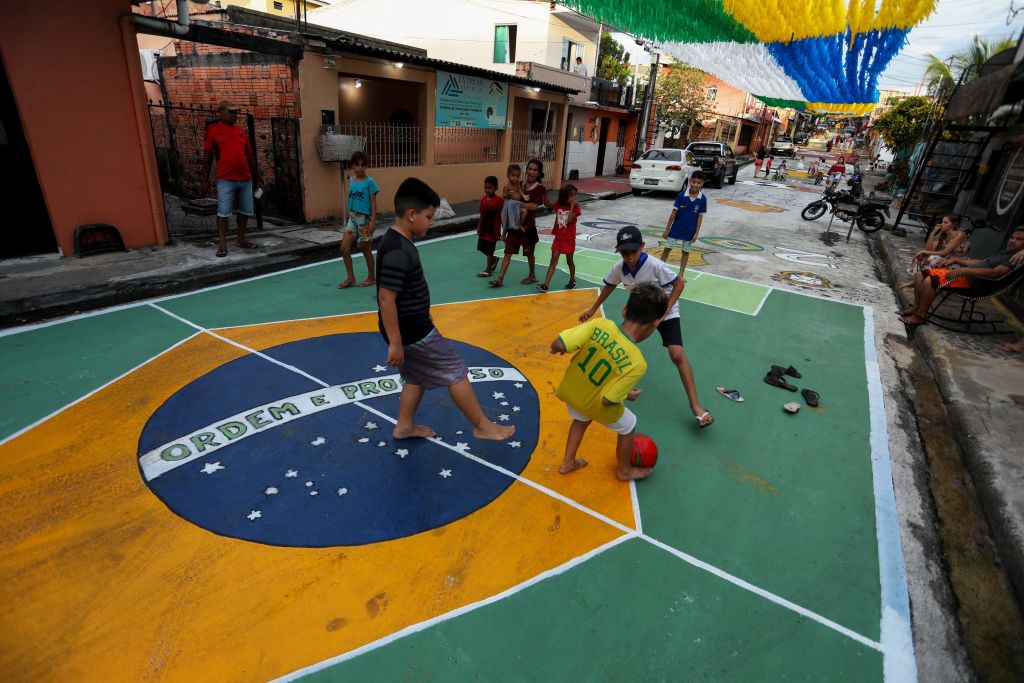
(946, 240)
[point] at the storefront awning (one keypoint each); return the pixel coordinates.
(982, 96)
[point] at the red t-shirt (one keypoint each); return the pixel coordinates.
(837, 168)
(536, 195)
(565, 222)
(490, 218)
(233, 150)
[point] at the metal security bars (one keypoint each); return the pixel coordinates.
(528, 145)
(453, 145)
(386, 145)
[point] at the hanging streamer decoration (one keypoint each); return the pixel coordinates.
(823, 55)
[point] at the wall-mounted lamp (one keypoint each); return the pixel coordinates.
(359, 83)
(399, 65)
(536, 90)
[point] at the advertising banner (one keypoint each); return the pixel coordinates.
(469, 102)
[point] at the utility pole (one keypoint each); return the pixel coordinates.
(645, 114)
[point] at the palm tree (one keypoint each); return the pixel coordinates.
(942, 76)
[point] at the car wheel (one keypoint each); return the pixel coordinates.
(636, 192)
(732, 179)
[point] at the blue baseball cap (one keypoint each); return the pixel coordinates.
(628, 239)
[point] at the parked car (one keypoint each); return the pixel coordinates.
(716, 160)
(801, 138)
(662, 169)
(784, 147)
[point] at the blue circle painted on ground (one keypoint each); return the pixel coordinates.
(290, 472)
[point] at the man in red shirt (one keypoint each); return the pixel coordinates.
(236, 169)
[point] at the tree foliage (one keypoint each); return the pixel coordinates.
(902, 126)
(613, 60)
(942, 75)
(681, 95)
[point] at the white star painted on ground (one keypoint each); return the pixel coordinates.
(381, 444)
(514, 444)
(515, 409)
(364, 440)
(318, 441)
(504, 403)
(254, 515)
(370, 425)
(462, 446)
(445, 473)
(314, 493)
(379, 368)
(498, 394)
(291, 474)
(503, 418)
(342, 492)
(211, 467)
(308, 484)
(459, 432)
(271, 491)
(402, 452)
(518, 385)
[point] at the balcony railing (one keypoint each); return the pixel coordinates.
(610, 93)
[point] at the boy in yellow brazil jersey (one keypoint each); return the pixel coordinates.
(605, 368)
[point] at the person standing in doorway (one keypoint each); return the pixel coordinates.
(580, 68)
(236, 171)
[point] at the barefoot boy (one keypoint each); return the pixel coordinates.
(424, 358)
(637, 267)
(684, 222)
(605, 367)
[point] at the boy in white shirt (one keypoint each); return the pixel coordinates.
(634, 268)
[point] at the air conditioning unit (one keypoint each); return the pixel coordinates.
(150, 71)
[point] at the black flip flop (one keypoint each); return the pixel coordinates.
(811, 397)
(777, 381)
(791, 371)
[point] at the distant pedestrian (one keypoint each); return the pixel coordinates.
(768, 164)
(581, 68)
(758, 161)
(362, 221)
(488, 226)
(236, 169)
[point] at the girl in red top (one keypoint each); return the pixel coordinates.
(564, 230)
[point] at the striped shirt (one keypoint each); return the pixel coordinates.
(399, 270)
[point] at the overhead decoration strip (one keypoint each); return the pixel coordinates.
(825, 54)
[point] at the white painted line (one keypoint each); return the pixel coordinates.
(896, 634)
(757, 311)
(447, 616)
(745, 585)
(94, 391)
(579, 506)
(637, 521)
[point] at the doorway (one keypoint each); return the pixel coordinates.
(602, 143)
(34, 234)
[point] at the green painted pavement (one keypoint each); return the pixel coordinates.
(632, 613)
(46, 368)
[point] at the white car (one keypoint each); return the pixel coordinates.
(662, 169)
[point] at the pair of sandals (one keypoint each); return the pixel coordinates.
(775, 378)
(544, 288)
(244, 245)
(525, 281)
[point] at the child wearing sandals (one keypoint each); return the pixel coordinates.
(564, 231)
(488, 227)
(362, 221)
(533, 196)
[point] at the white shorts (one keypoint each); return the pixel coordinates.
(624, 425)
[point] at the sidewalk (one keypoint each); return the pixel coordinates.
(981, 387)
(603, 187)
(40, 287)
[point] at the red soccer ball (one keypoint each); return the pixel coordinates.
(645, 451)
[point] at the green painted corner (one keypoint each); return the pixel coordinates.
(632, 613)
(47, 368)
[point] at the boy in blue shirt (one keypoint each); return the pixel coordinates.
(684, 221)
(362, 221)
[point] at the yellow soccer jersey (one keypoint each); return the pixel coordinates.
(605, 364)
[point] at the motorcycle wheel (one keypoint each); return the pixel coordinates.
(871, 222)
(813, 211)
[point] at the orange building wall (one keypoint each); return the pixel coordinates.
(77, 82)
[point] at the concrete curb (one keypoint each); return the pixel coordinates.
(995, 483)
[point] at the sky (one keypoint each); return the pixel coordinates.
(949, 29)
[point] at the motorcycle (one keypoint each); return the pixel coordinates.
(868, 213)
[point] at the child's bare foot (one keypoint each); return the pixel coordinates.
(634, 473)
(367, 282)
(416, 431)
(493, 432)
(576, 464)
(345, 284)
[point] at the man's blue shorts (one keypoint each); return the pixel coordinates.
(234, 196)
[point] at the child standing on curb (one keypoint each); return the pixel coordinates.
(362, 221)
(603, 373)
(567, 210)
(488, 227)
(685, 220)
(425, 359)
